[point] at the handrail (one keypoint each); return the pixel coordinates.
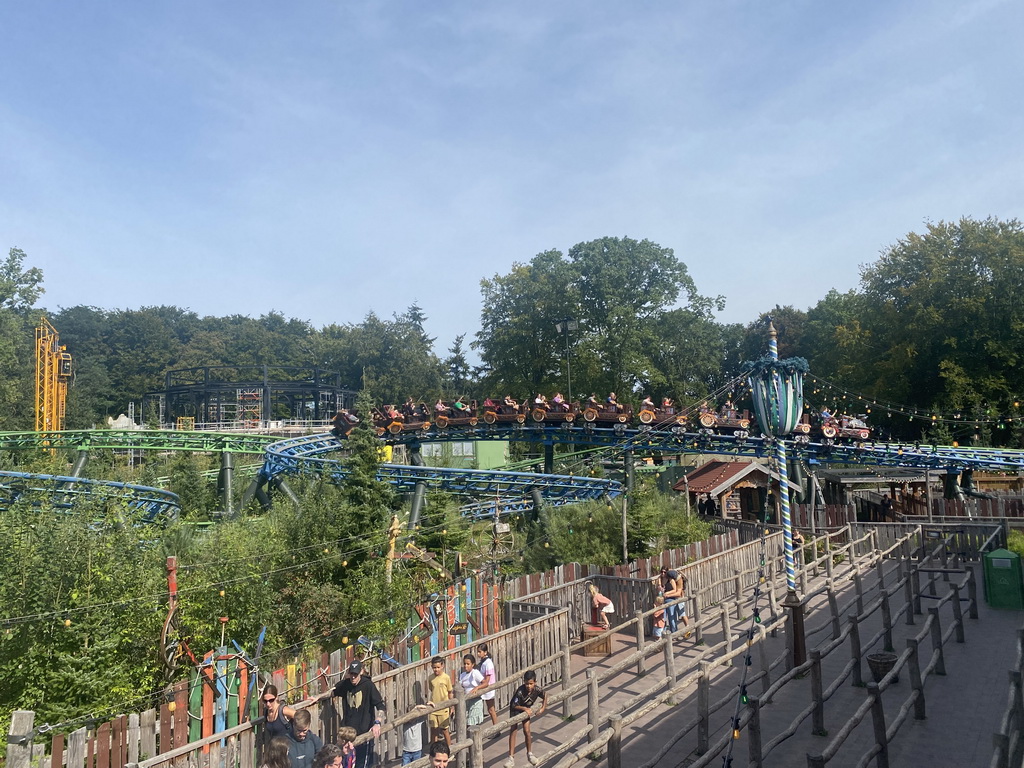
(598, 733)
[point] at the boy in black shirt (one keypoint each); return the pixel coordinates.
(523, 699)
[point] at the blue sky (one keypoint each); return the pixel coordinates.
(326, 159)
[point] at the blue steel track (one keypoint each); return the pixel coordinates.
(311, 456)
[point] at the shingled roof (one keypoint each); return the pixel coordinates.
(717, 476)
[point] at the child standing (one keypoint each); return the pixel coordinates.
(472, 680)
(346, 735)
(440, 690)
(603, 605)
(523, 699)
(486, 667)
(659, 616)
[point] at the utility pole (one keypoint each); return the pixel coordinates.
(393, 530)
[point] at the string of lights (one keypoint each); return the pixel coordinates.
(831, 393)
(742, 697)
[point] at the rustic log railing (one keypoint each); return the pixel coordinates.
(885, 731)
(714, 611)
(1009, 739)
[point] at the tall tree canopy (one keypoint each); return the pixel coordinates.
(621, 292)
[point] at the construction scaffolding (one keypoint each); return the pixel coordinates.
(53, 371)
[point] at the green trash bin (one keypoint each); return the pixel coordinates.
(1004, 581)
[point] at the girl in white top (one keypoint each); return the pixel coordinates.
(472, 680)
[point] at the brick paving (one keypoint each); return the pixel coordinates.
(963, 707)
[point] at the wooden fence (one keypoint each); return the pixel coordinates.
(719, 590)
(1009, 739)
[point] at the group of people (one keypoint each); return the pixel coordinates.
(292, 744)
(461, 406)
(671, 602)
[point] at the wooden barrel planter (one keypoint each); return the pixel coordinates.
(881, 664)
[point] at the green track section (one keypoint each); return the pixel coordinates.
(141, 439)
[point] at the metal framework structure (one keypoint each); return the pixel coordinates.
(247, 395)
(53, 370)
(500, 492)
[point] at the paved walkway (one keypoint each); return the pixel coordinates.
(963, 708)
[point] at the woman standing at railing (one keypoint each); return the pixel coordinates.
(277, 715)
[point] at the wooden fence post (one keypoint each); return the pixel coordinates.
(917, 590)
(460, 721)
(858, 586)
(134, 732)
(802, 564)
(817, 696)
(880, 569)
(908, 589)
(940, 666)
(738, 589)
(850, 546)
(958, 615)
(766, 666)
(828, 559)
(886, 621)
(833, 606)
(19, 739)
(916, 684)
(754, 731)
(972, 592)
(641, 662)
(77, 748)
(772, 602)
(698, 629)
(855, 651)
(703, 703)
(476, 752)
(670, 658)
(566, 680)
(878, 721)
(593, 707)
(615, 742)
(727, 629)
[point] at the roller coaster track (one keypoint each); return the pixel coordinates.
(141, 439)
(304, 456)
(673, 440)
(309, 455)
(148, 505)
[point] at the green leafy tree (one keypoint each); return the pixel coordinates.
(620, 291)
(518, 342)
(941, 317)
(20, 288)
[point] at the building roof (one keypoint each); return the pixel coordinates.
(718, 476)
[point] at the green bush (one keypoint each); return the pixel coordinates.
(1015, 542)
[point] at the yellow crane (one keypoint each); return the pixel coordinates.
(53, 370)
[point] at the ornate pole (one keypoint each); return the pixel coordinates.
(792, 602)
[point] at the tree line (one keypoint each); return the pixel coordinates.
(935, 325)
